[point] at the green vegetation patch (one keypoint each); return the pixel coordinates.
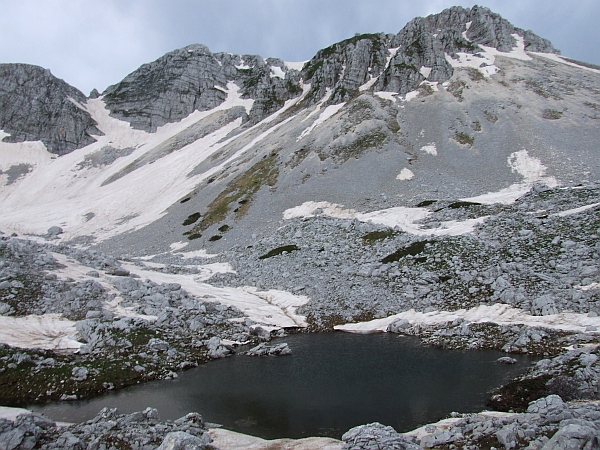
(413, 249)
(374, 139)
(192, 218)
(552, 114)
(464, 138)
(594, 106)
(279, 251)
(457, 205)
(241, 190)
(475, 74)
(490, 116)
(456, 88)
(380, 235)
(517, 394)
(426, 203)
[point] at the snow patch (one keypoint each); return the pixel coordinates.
(48, 332)
(570, 212)
(485, 59)
(197, 253)
(425, 71)
(411, 95)
(12, 413)
(530, 168)
(405, 174)
(326, 114)
(295, 65)
(178, 245)
(277, 72)
(556, 58)
(498, 313)
(386, 95)
(59, 191)
(368, 84)
(232, 440)
(272, 308)
(400, 216)
(430, 149)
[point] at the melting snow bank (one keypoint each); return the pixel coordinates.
(402, 217)
(273, 308)
(499, 313)
(231, 440)
(532, 170)
(48, 332)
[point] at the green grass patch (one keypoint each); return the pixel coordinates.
(457, 205)
(375, 139)
(413, 249)
(240, 190)
(551, 114)
(380, 235)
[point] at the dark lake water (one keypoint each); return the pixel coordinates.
(330, 383)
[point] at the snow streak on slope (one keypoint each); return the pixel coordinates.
(272, 307)
(559, 59)
(60, 191)
(327, 113)
(498, 313)
(530, 168)
(402, 217)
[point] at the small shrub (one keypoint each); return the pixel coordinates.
(413, 249)
(475, 74)
(375, 236)
(552, 114)
(279, 251)
(192, 218)
(490, 116)
(464, 139)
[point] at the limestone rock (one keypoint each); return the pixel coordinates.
(35, 105)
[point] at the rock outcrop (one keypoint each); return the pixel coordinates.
(35, 105)
(393, 63)
(194, 79)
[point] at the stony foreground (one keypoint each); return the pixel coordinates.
(548, 424)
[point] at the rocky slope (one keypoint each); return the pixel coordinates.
(441, 182)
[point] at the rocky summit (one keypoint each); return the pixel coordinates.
(441, 182)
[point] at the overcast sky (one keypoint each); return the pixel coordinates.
(96, 43)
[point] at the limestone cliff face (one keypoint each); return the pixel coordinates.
(393, 62)
(35, 105)
(193, 78)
